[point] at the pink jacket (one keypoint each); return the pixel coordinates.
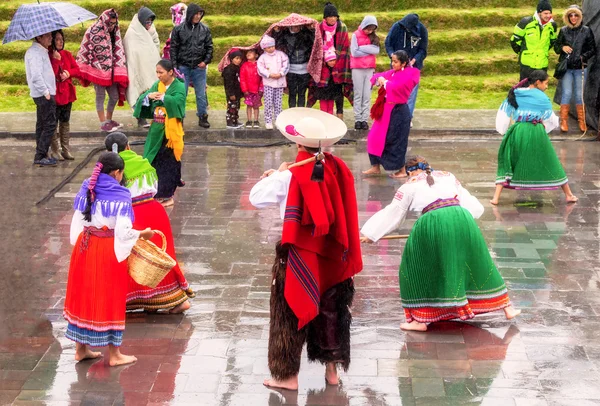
(358, 58)
(276, 62)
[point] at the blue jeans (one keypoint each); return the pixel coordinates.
(412, 100)
(572, 83)
(198, 77)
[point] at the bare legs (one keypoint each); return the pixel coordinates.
(510, 312)
(180, 308)
(331, 377)
(373, 170)
(569, 196)
(496, 197)
(83, 352)
(116, 358)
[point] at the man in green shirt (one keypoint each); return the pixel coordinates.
(533, 37)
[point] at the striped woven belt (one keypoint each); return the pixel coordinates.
(439, 203)
(135, 201)
(103, 232)
(534, 122)
(159, 120)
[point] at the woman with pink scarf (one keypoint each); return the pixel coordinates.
(388, 139)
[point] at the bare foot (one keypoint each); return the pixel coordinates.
(83, 352)
(180, 308)
(290, 383)
(400, 174)
(413, 326)
(511, 312)
(121, 359)
(374, 170)
(572, 199)
(331, 375)
(168, 202)
(494, 202)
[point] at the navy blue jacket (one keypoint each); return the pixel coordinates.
(409, 35)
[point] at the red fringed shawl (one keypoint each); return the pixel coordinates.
(99, 61)
(321, 225)
(341, 71)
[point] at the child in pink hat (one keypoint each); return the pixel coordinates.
(273, 65)
(331, 91)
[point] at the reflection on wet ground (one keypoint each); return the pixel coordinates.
(216, 354)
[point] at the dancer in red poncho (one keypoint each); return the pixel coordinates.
(319, 252)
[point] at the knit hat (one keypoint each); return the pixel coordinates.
(544, 5)
(330, 11)
(267, 42)
(235, 53)
(329, 55)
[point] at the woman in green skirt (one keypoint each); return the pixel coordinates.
(446, 271)
(526, 158)
(164, 103)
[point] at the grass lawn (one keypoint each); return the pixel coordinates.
(437, 92)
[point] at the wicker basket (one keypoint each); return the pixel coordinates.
(149, 264)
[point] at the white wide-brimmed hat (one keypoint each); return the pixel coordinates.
(310, 127)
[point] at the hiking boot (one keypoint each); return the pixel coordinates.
(365, 125)
(45, 162)
(203, 121)
(358, 125)
(234, 125)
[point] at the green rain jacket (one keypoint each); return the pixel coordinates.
(532, 41)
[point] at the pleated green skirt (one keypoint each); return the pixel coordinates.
(527, 160)
(447, 271)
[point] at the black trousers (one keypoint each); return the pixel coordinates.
(63, 113)
(327, 336)
(526, 70)
(297, 86)
(45, 125)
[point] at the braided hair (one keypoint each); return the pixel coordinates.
(107, 163)
(533, 77)
(416, 162)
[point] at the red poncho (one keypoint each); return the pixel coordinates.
(321, 226)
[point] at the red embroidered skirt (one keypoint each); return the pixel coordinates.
(96, 291)
(174, 288)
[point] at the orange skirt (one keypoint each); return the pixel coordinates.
(96, 291)
(174, 288)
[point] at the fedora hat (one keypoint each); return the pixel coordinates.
(310, 127)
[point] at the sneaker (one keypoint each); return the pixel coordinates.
(106, 126)
(203, 121)
(255, 124)
(358, 125)
(248, 124)
(45, 162)
(143, 123)
(365, 125)
(410, 123)
(116, 125)
(269, 126)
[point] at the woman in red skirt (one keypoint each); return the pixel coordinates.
(102, 234)
(141, 180)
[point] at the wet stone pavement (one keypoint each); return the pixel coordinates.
(216, 354)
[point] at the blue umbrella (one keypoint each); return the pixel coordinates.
(32, 20)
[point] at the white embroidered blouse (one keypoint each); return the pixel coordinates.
(125, 235)
(415, 195)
